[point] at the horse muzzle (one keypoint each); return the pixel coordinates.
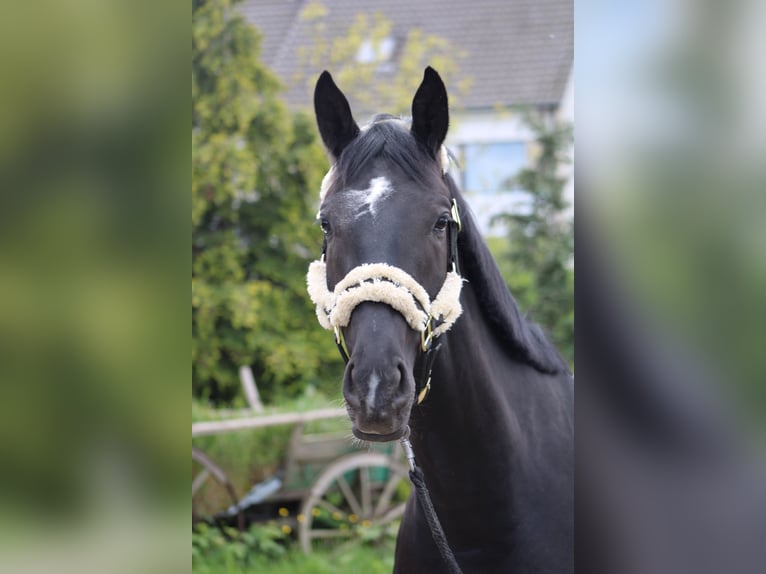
(378, 400)
(378, 385)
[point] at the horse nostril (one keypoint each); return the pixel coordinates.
(401, 396)
(349, 392)
(402, 377)
(348, 378)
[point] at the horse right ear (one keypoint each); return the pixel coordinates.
(430, 112)
(336, 125)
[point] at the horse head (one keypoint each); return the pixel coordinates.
(385, 284)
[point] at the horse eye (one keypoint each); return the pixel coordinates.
(441, 223)
(325, 225)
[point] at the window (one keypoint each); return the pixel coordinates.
(489, 168)
(371, 51)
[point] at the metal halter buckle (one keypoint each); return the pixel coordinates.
(455, 212)
(426, 336)
(424, 391)
(340, 341)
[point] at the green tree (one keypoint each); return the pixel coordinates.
(256, 169)
(377, 83)
(538, 258)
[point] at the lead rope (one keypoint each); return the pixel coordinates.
(419, 481)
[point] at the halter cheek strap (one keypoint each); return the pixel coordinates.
(383, 283)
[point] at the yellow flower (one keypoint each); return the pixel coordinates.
(366, 523)
(284, 512)
(286, 529)
(336, 516)
(352, 518)
(315, 511)
(301, 518)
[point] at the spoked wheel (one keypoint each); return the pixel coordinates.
(210, 476)
(353, 500)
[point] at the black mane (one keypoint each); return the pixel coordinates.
(524, 338)
(387, 138)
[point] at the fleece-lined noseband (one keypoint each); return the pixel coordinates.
(383, 283)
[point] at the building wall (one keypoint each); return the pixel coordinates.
(502, 126)
(484, 129)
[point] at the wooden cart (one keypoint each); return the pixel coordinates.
(342, 491)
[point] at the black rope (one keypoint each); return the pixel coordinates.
(417, 478)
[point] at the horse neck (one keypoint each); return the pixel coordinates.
(468, 415)
(501, 396)
(467, 435)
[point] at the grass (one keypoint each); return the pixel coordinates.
(367, 560)
(266, 549)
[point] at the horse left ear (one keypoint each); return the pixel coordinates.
(430, 112)
(336, 124)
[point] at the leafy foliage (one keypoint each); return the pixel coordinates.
(232, 548)
(360, 78)
(270, 549)
(537, 260)
(256, 168)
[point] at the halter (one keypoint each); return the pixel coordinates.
(383, 283)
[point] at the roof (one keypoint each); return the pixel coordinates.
(516, 51)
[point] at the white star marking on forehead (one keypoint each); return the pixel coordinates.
(357, 202)
(444, 162)
(368, 199)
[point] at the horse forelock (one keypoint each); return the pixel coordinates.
(385, 141)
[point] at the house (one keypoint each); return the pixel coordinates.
(518, 54)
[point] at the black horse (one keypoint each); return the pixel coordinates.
(494, 436)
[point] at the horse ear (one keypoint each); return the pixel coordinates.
(336, 125)
(430, 112)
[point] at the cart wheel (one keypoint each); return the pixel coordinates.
(352, 498)
(201, 482)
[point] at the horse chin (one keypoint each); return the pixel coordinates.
(376, 437)
(379, 426)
